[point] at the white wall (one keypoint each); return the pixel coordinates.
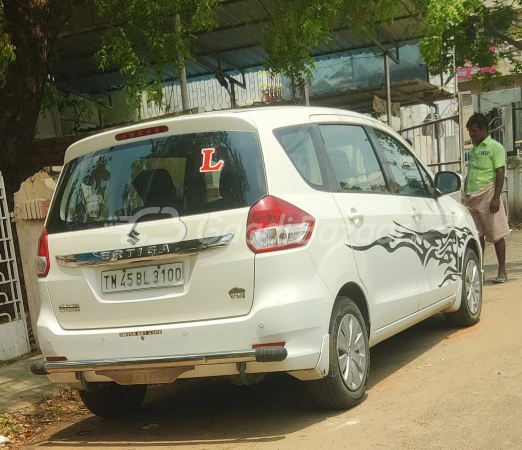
(31, 204)
(13, 340)
(208, 94)
(514, 176)
(47, 126)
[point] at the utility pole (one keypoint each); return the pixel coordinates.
(388, 89)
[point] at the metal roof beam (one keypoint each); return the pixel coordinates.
(227, 50)
(219, 71)
(360, 47)
(413, 96)
(381, 31)
(218, 58)
(266, 20)
(386, 51)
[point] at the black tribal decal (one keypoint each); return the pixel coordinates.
(431, 245)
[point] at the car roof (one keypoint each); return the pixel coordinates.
(252, 119)
(278, 112)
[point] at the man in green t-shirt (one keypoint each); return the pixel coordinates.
(484, 184)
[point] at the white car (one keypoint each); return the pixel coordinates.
(242, 243)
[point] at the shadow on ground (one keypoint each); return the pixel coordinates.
(212, 412)
(514, 270)
(398, 351)
(513, 258)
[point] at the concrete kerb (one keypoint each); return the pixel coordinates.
(19, 388)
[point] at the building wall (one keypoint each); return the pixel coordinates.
(31, 204)
(13, 340)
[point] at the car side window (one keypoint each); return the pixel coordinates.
(353, 158)
(299, 144)
(407, 179)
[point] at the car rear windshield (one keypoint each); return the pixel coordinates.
(192, 173)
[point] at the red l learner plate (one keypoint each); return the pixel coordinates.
(164, 275)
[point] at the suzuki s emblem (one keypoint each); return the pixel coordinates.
(133, 237)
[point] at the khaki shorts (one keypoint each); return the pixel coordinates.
(493, 226)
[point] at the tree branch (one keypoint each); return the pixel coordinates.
(506, 38)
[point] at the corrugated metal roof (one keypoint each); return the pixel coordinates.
(406, 93)
(235, 41)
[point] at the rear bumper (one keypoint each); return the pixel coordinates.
(212, 348)
(261, 355)
(289, 308)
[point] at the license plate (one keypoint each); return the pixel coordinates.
(164, 275)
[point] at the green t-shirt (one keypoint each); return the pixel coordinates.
(484, 160)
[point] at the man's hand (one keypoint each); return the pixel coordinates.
(494, 206)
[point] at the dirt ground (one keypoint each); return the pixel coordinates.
(431, 387)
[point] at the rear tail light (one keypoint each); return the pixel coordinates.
(274, 224)
(42, 263)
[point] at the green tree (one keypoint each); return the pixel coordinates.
(7, 53)
(472, 28)
(142, 38)
(145, 36)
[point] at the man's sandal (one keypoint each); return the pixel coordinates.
(500, 280)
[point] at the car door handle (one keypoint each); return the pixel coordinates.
(355, 216)
(416, 214)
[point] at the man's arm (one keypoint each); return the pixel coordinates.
(499, 185)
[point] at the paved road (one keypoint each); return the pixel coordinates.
(431, 387)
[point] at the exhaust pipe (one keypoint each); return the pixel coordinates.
(38, 367)
(271, 354)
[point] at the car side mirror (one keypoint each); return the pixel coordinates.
(447, 182)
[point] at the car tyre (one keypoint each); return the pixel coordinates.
(113, 400)
(471, 295)
(349, 369)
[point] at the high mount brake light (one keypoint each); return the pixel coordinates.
(142, 132)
